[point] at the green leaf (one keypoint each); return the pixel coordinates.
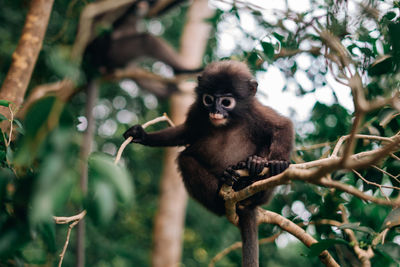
(317, 248)
(389, 16)
(3, 118)
(53, 187)
(101, 204)
(368, 52)
(279, 37)
(351, 47)
(234, 11)
(252, 59)
(4, 103)
(20, 128)
(381, 66)
(392, 220)
(357, 227)
(34, 253)
(268, 49)
(390, 250)
(102, 167)
(48, 232)
(38, 114)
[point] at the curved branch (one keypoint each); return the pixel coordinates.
(265, 216)
(238, 245)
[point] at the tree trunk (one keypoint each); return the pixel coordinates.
(86, 149)
(26, 53)
(169, 221)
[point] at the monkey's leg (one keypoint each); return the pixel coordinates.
(201, 184)
(249, 233)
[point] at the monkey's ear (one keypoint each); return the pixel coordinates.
(253, 86)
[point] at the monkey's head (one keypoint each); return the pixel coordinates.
(225, 91)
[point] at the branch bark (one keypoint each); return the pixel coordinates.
(25, 56)
(265, 216)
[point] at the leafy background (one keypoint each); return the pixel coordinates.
(40, 169)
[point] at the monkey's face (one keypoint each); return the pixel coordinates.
(219, 106)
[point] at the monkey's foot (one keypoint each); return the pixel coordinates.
(255, 165)
(230, 175)
(277, 166)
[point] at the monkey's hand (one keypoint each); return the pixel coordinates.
(255, 165)
(230, 176)
(137, 133)
(277, 166)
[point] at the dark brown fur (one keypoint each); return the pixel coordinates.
(252, 129)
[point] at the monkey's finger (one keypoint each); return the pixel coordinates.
(234, 174)
(248, 162)
(277, 166)
(230, 176)
(272, 169)
(251, 165)
(239, 165)
(127, 134)
(253, 169)
(226, 179)
(260, 167)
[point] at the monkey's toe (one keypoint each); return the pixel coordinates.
(255, 165)
(230, 176)
(277, 166)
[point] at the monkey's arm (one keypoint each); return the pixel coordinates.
(282, 141)
(276, 154)
(172, 136)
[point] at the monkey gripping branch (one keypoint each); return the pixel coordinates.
(222, 129)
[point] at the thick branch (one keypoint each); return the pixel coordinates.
(26, 53)
(63, 89)
(265, 216)
(314, 172)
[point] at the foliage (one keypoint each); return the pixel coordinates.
(40, 167)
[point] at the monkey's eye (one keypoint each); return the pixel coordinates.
(208, 100)
(228, 102)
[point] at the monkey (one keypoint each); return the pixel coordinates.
(226, 129)
(124, 43)
(112, 53)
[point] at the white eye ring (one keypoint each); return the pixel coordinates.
(227, 102)
(208, 100)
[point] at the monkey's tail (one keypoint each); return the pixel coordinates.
(249, 232)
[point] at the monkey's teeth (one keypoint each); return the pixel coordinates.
(216, 116)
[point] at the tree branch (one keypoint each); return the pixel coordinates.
(25, 56)
(74, 220)
(265, 216)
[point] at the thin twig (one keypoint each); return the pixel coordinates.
(377, 185)
(74, 220)
(312, 147)
(238, 245)
(388, 174)
(363, 255)
(11, 125)
(164, 117)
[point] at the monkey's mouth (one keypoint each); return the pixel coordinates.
(217, 119)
